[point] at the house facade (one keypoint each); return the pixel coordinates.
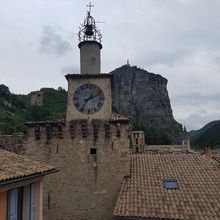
(21, 187)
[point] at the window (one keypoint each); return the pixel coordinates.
(171, 184)
(93, 60)
(32, 202)
(15, 204)
(93, 151)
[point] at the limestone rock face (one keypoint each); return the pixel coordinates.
(143, 97)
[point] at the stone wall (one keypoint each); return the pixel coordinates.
(37, 98)
(94, 159)
(12, 142)
(167, 147)
(137, 141)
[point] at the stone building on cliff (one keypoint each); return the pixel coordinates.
(37, 98)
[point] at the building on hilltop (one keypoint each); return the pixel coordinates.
(37, 98)
(21, 186)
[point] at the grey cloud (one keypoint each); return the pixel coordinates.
(69, 69)
(52, 42)
(217, 59)
(197, 121)
(196, 98)
(164, 57)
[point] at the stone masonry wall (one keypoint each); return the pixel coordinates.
(11, 142)
(88, 184)
(167, 147)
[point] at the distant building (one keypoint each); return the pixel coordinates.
(137, 141)
(185, 138)
(21, 186)
(170, 186)
(37, 98)
(182, 145)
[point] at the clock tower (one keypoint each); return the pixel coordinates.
(91, 145)
(89, 93)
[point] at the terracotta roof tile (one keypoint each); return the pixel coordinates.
(16, 167)
(117, 118)
(144, 195)
(42, 123)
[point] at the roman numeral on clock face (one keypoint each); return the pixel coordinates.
(77, 104)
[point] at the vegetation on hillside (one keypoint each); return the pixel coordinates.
(153, 135)
(208, 135)
(15, 110)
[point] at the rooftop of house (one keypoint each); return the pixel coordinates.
(118, 118)
(14, 167)
(170, 186)
(137, 132)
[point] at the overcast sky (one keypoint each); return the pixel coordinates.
(178, 39)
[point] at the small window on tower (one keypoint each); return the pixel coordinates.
(93, 60)
(93, 151)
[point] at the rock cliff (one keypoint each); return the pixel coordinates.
(143, 97)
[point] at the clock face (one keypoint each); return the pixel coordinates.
(88, 99)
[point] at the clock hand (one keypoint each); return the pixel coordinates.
(85, 102)
(87, 99)
(91, 97)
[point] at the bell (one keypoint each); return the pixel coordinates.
(88, 30)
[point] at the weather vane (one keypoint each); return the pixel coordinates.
(90, 5)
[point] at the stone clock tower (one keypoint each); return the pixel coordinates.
(91, 146)
(89, 93)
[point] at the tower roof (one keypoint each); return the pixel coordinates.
(88, 31)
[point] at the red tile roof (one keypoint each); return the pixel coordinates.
(143, 195)
(117, 118)
(14, 167)
(43, 123)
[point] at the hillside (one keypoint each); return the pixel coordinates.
(209, 134)
(136, 93)
(16, 109)
(143, 97)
